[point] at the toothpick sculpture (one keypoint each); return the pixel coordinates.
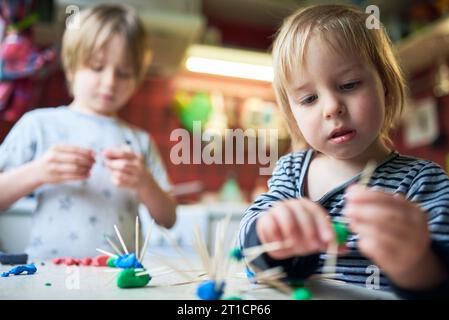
(340, 227)
(132, 273)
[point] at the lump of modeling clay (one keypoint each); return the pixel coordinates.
(301, 294)
(127, 279)
(236, 254)
(28, 268)
(111, 262)
(128, 261)
(11, 258)
(341, 231)
(210, 290)
(87, 261)
(100, 261)
(69, 261)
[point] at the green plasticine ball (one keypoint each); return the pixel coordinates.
(233, 298)
(197, 109)
(341, 231)
(301, 294)
(128, 279)
(111, 262)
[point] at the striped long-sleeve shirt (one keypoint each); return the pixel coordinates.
(420, 181)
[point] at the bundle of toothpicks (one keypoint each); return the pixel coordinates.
(130, 265)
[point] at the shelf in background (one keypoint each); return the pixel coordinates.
(423, 49)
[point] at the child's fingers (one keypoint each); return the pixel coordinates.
(72, 177)
(307, 238)
(322, 221)
(122, 165)
(73, 158)
(378, 245)
(82, 152)
(122, 179)
(68, 168)
(380, 215)
(393, 223)
(289, 225)
(269, 230)
(113, 154)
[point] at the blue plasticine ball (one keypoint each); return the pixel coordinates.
(250, 275)
(210, 290)
(128, 261)
(236, 254)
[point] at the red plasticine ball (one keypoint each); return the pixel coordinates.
(87, 261)
(100, 261)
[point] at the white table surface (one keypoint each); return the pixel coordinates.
(95, 283)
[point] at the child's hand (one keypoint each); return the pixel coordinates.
(301, 223)
(393, 231)
(65, 163)
(127, 167)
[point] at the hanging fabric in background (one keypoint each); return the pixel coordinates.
(22, 63)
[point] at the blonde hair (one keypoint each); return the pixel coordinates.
(97, 25)
(347, 26)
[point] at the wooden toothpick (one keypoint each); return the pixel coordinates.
(367, 173)
(113, 246)
(270, 281)
(121, 240)
(253, 252)
(202, 250)
(175, 268)
(137, 233)
(107, 253)
(144, 249)
(330, 264)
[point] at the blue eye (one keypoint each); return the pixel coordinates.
(350, 86)
(308, 100)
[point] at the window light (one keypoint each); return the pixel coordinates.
(230, 62)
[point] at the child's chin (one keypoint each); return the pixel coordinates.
(346, 153)
(104, 111)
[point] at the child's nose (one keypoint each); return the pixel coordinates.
(333, 107)
(109, 77)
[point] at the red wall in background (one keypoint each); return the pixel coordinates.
(150, 108)
(421, 86)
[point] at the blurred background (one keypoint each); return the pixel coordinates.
(178, 89)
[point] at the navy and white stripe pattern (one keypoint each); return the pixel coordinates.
(420, 181)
